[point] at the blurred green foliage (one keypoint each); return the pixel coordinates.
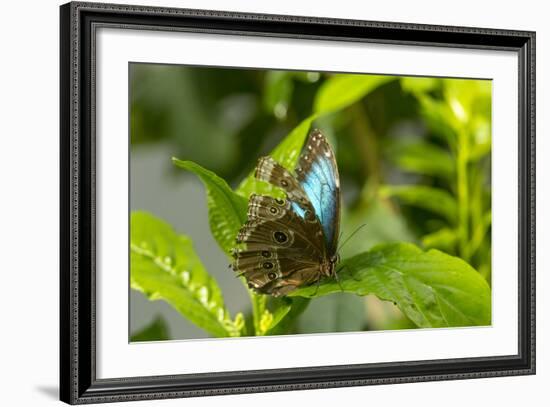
(156, 330)
(414, 160)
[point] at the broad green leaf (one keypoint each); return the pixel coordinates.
(164, 266)
(342, 90)
(286, 314)
(226, 209)
(157, 330)
(433, 199)
(384, 315)
(422, 158)
(226, 215)
(286, 154)
(279, 308)
(432, 288)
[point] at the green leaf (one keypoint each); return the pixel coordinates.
(417, 85)
(286, 314)
(226, 209)
(286, 154)
(279, 309)
(164, 266)
(155, 331)
(431, 288)
(443, 239)
(479, 233)
(277, 92)
(433, 199)
(468, 98)
(422, 158)
(342, 90)
(259, 303)
(439, 118)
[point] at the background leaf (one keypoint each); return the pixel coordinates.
(226, 209)
(278, 92)
(342, 90)
(164, 266)
(419, 85)
(433, 199)
(443, 239)
(422, 158)
(379, 223)
(432, 288)
(155, 331)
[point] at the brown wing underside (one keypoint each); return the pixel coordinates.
(282, 250)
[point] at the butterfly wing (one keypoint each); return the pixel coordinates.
(317, 174)
(290, 243)
(283, 250)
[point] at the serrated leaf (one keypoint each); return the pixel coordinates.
(164, 266)
(422, 158)
(432, 289)
(342, 90)
(433, 199)
(226, 209)
(286, 154)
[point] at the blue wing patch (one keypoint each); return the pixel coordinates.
(298, 210)
(318, 176)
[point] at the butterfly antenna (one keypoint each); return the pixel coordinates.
(350, 236)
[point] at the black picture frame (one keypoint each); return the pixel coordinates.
(78, 382)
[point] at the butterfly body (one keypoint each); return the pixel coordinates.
(292, 242)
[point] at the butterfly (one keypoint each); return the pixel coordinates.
(292, 242)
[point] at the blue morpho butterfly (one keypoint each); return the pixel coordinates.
(292, 242)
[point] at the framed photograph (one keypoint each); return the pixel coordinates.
(255, 203)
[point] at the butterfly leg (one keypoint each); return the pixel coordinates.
(317, 287)
(338, 281)
(345, 266)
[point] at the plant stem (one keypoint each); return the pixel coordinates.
(366, 142)
(463, 194)
(258, 307)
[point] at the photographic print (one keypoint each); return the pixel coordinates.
(359, 195)
(279, 202)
